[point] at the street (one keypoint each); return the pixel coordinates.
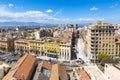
(81, 53)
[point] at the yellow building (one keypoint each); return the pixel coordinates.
(44, 48)
(21, 45)
(52, 47)
(6, 45)
(36, 46)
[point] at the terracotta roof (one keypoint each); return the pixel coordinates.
(118, 39)
(57, 72)
(45, 65)
(62, 71)
(22, 40)
(109, 64)
(22, 69)
(83, 74)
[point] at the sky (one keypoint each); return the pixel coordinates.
(60, 11)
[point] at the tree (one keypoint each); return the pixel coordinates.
(102, 56)
(119, 54)
(107, 60)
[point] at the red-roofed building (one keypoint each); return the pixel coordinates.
(23, 69)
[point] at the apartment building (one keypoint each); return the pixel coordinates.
(45, 47)
(65, 52)
(71, 27)
(6, 45)
(117, 26)
(52, 47)
(21, 45)
(100, 39)
(37, 47)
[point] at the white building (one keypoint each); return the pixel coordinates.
(37, 34)
(65, 52)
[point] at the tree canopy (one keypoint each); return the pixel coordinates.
(102, 56)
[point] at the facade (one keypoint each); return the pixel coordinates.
(6, 45)
(117, 26)
(37, 34)
(21, 45)
(101, 39)
(23, 69)
(71, 27)
(37, 47)
(52, 47)
(117, 39)
(112, 71)
(59, 50)
(65, 52)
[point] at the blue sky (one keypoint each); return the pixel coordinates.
(60, 11)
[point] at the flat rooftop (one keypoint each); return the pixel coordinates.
(96, 73)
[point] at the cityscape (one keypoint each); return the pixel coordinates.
(59, 40)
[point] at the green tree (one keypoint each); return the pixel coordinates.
(119, 54)
(102, 56)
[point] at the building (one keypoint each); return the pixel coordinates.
(117, 39)
(112, 71)
(71, 27)
(47, 71)
(65, 52)
(37, 47)
(100, 39)
(6, 45)
(43, 32)
(51, 47)
(43, 71)
(117, 26)
(58, 72)
(21, 45)
(37, 34)
(23, 69)
(81, 74)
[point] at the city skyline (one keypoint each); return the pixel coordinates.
(52, 11)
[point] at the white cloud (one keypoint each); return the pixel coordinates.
(27, 16)
(93, 8)
(10, 5)
(49, 11)
(91, 19)
(38, 16)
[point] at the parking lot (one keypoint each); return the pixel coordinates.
(9, 58)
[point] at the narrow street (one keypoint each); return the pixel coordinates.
(81, 53)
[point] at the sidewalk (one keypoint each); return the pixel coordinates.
(95, 73)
